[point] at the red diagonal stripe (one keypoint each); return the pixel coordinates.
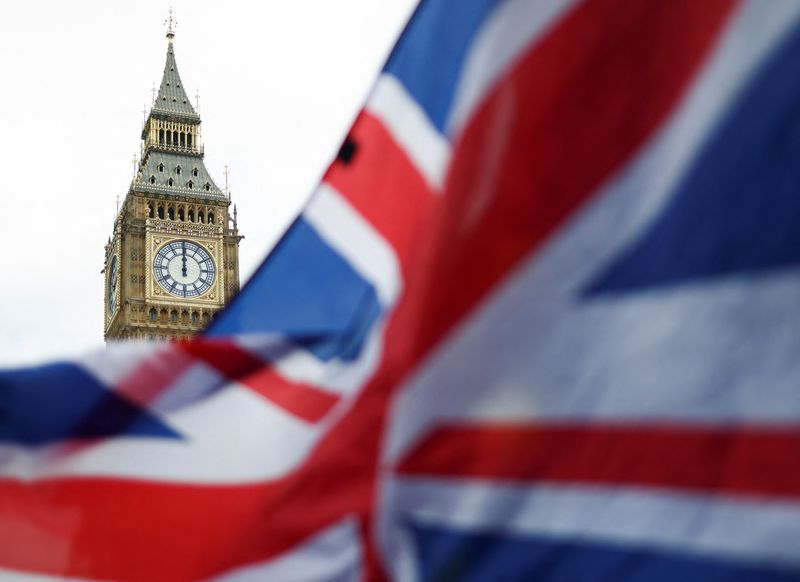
(384, 186)
(224, 356)
(744, 460)
(302, 400)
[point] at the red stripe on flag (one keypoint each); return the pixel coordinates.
(302, 400)
(744, 460)
(126, 530)
(384, 186)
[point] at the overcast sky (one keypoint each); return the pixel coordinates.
(279, 83)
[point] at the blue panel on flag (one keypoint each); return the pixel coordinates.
(429, 57)
(62, 401)
(738, 209)
(307, 292)
(450, 555)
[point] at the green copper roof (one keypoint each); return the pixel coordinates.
(172, 99)
(159, 168)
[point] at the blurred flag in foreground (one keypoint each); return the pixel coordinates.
(540, 321)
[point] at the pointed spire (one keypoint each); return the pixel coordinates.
(172, 98)
(162, 159)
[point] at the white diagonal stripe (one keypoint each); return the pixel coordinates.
(353, 237)
(411, 128)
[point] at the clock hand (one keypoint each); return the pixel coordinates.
(183, 260)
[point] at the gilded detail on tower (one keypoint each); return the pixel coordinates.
(173, 258)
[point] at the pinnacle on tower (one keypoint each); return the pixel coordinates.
(170, 22)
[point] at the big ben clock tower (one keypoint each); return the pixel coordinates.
(173, 259)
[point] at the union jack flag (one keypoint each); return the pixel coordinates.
(539, 321)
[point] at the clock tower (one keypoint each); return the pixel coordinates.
(173, 258)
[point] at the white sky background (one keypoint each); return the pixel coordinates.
(279, 82)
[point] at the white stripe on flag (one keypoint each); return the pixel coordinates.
(742, 530)
(359, 243)
(409, 126)
(19, 576)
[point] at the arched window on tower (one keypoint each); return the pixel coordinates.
(195, 317)
(190, 184)
(181, 215)
(171, 213)
(160, 167)
(210, 217)
(152, 179)
(207, 186)
(153, 315)
(191, 215)
(169, 138)
(178, 170)
(188, 140)
(173, 316)
(194, 172)
(150, 210)
(161, 136)
(161, 211)
(200, 216)
(169, 182)
(175, 137)
(183, 139)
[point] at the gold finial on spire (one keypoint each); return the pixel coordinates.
(171, 24)
(227, 188)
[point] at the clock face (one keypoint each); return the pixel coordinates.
(113, 278)
(184, 269)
